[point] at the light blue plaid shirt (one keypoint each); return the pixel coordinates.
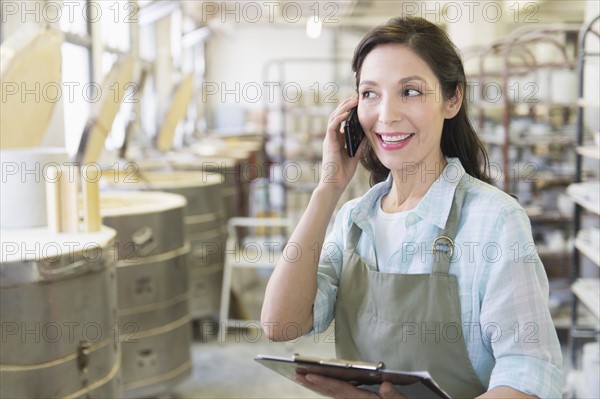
(503, 287)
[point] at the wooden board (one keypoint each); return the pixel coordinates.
(30, 71)
(175, 113)
(100, 122)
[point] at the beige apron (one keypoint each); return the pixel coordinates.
(411, 322)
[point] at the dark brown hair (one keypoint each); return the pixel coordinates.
(431, 43)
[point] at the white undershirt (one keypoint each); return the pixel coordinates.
(390, 231)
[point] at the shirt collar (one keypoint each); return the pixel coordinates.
(434, 207)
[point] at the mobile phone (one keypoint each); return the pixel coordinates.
(353, 132)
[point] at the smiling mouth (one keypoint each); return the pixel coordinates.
(395, 138)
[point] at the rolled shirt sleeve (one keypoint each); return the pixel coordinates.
(516, 324)
(330, 268)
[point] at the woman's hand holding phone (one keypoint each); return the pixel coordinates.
(291, 291)
(338, 167)
(353, 132)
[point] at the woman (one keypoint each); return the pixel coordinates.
(475, 316)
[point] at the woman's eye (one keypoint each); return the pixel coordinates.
(367, 94)
(411, 92)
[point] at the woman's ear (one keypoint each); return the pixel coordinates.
(453, 104)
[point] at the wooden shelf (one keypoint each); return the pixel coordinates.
(309, 111)
(591, 205)
(562, 320)
(587, 324)
(482, 105)
(549, 253)
(548, 139)
(541, 216)
(584, 243)
(585, 320)
(584, 103)
(547, 178)
(587, 291)
(486, 105)
(590, 151)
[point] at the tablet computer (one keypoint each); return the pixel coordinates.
(365, 375)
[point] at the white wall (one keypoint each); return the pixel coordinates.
(236, 75)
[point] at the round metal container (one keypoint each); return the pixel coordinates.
(59, 315)
(236, 173)
(204, 226)
(234, 192)
(153, 289)
(250, 164)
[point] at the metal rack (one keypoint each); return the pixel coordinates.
(518, 46)
(278, 67)
(578, 332)
(517, 57)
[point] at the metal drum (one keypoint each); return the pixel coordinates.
(235, 182)
(204, 226)
(236, 173)
(59, 315)
(152, 289)
(248, 155)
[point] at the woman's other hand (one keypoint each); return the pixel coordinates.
(343, 390)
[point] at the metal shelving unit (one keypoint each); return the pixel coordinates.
(515, 149)
(287, 130)
(518, 58)
(585, 290)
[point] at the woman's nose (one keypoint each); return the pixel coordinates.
(390, 110)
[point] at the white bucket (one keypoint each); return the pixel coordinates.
(23, 185)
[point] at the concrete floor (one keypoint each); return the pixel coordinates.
(224, 366)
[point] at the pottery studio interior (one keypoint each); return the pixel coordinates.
(166, 164)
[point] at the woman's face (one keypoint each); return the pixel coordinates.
(401, 108)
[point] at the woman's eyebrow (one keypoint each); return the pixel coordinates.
(401, 81)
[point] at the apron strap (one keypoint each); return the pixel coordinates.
(443, 246)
